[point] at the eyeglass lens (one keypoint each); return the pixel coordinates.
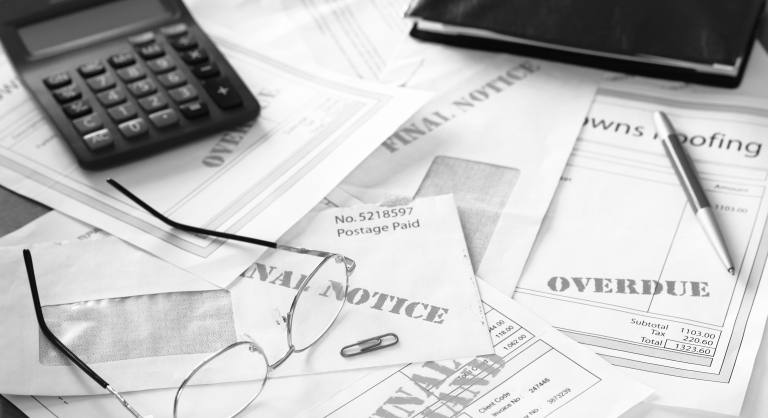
(204, 396)
(319, 303)
(315, 310)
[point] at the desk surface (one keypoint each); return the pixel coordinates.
(16, 211)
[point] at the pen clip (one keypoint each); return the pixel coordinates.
(368, 345)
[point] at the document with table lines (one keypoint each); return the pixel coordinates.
(535, 372)
(353, 37)
(623, 266)
(497, 141)
(256, 180)
(280, 398)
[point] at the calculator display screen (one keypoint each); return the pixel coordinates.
(61, 30)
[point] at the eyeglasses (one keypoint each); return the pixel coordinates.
(310, 317)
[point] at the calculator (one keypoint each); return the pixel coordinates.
(121, 79)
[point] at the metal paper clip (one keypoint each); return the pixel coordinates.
(366, 346)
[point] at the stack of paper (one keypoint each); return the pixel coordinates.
(544, 179)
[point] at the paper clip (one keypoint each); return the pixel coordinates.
(371, 344)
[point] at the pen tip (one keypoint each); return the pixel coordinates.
(660, 118)
(732, 271)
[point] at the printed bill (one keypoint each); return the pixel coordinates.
(256, 180)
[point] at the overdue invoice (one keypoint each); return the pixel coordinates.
(535, 372)
(621, 263)
(256, 180)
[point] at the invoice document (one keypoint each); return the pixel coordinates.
(353, 37)
(115, 305)
(256, 180)
(534, 372)
(497, 141)
(279, 398)
(623, 266)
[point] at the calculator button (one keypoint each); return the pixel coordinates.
(222, 92)
(172, 79)
(88, 124)
(153, 102)
(142, 38)
(142, 88)
(133, 128)
(99, 139)
(66, 94)
(183, 94)
(150, 51)
(121, 60)
(174, 30)
(57, 80)
(131, 73)
(123, 112)
(164, 118)
(78, 108)
(111, 97)
(91, 69)
(183, 42)
(206, 70)
(194, 110)
(101, 82)
(161, 65)
(194, 56)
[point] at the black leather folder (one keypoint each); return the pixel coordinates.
(702, 41)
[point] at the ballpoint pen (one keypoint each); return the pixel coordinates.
(693, 190)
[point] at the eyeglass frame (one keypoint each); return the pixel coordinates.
(349, 267)
(254, 346)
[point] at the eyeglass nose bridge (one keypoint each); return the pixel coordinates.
(277, 364)
(349, 263)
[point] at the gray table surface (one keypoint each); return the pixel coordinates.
(16, 211)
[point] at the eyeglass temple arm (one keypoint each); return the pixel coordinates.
(63, 348)
(349, 262)
(184, 227)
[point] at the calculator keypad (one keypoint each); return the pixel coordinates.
(111, 97)
(142, 73)
(164, 118)
(133, 128)
(88, 124)
(142, 88)
(194, 56)
(132, 73)
(207, 70)
(223, 93)
(194, 110)
(150, 51)
(122, 60)
(67, 94)
(161, 65)
(57, 80)
(101, 82)
(91, 69)
(175, 29)
(99, 139)
(122, 112)
(153, 103)
(183, 42)
(77, 108)
(172, 79)
(142, 38)
(183, 94)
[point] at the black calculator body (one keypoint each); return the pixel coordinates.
(120, 79)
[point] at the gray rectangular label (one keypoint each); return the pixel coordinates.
(166, 324)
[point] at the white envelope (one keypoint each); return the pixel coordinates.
(413, 278)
